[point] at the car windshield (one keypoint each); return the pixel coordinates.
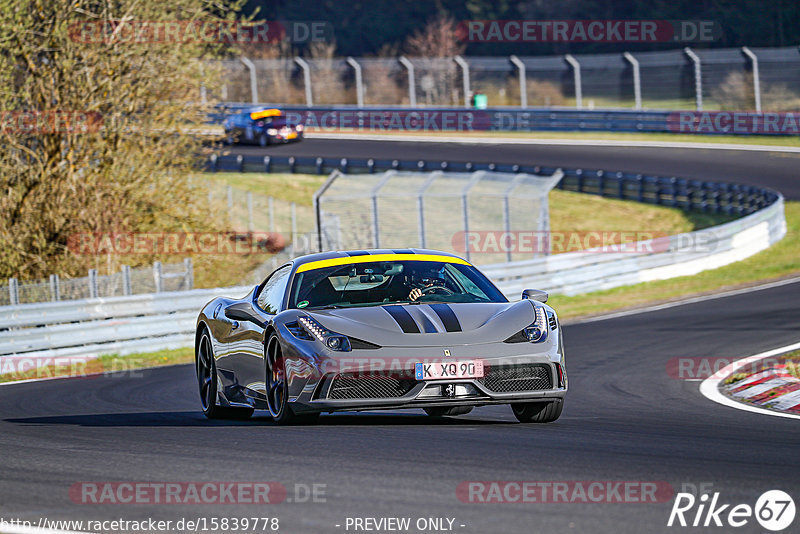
(391, 282)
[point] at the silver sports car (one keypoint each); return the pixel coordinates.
(379, 329)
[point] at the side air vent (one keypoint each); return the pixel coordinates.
(356, 343)
(551, 318)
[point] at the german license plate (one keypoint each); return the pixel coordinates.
(449, 370)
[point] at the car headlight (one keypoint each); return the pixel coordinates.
(272, 131)
(299, 127)
(332, 340)
(536, 332)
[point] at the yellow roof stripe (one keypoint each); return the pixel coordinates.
(320, 264)
(265, 113)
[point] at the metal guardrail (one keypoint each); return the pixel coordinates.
(686, 254)
(143, 323)
(700, 195)
(507, 119)
(114, 325)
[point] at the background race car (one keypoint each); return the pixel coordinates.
(262, 127)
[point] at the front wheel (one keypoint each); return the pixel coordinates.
(207, 382)
(278, 389)
(538, 412)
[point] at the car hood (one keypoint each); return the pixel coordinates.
(425, 325)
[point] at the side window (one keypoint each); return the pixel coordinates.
(272, 293)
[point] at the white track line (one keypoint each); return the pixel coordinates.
(554, 142)
(710, 386)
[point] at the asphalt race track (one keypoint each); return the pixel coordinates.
(777, 170)
(626, 418)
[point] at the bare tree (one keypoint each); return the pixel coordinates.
(435, 45)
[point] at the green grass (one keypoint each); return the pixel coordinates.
(779, 261)
(104, 364)
(298, 188)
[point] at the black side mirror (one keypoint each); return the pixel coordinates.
(535, 294)
(237, 313)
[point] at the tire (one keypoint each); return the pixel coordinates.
(441, 411)
(206, 369)
(277, 398)
(263, 140)
(538, 412)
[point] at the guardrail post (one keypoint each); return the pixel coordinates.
(203, 95)
(187, 264)
(359, 82)
(214, 162)
(637, 81)
(126, 280)
(464, 78)
(412, 88)
(271, 215)
(13, 291)
(294, 224)
(523, 84)
(240, 163)
(267, 164)
(576, 73)
(229, 190)
(306, 79)
(92, 283)
(158, 277)
(55, 288)
(253, 85)
(250, 224)
(756, 78)
(698, 78)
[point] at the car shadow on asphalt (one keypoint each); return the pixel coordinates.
(196, 419)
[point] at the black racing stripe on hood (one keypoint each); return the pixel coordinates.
(358, 253)
(403, 318)
(403, 251)
(448, 317)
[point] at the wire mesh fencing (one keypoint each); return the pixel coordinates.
(709, 79)
(156, 279)
(447, 211)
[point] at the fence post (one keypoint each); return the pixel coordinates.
(127, 289)
(55, 288)
(523, 84)
(157, 277)
(359, 81)
(253, 85)
(412, 88)
(637, 80)
(92, 283)
(576, 73)
(756, 78)
(230, 205)
(13, 291)
(698, 78)
(464, 78)
(306, 79)
(271, 215)
(187, 264)
(250, 223)
(203, 95)
(294, 224)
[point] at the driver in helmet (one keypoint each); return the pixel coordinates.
(424, 280)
